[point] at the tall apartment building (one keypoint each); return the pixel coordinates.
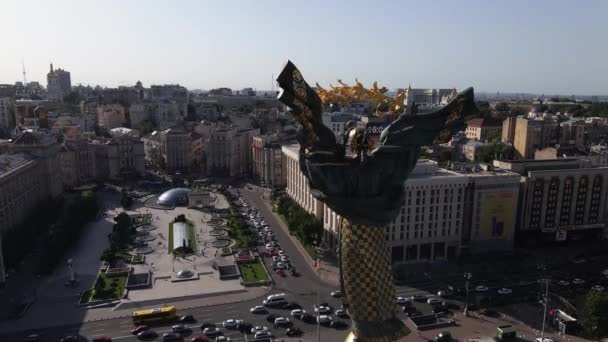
(560, 199)
(533, 134)
(59, 84)
(484, 129)
(139, 112)
(119, 156)
(176, 149)
(88, 111)
(228, 151)
(268, 161)
(110, 116)
(165, 113)
(78, 163)
(21, 188)
(508, 130)
(7, 118)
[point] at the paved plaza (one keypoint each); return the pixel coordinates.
(52, 296)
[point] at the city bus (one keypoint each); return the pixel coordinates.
(155, 316)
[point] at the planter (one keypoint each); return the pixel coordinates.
(138, 259)
(226, 251)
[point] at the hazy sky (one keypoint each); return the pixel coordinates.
(532, 46)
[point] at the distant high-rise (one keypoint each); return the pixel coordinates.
(59, 83)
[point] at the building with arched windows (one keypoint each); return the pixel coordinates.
(561, 199)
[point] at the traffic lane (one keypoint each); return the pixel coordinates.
(308, 278)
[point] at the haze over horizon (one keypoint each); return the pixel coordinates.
(550, 47)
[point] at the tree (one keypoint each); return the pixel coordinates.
(487, 154)
(108, 256)
(596, 314)
(502, 107)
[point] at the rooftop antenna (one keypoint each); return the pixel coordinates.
(23, 70)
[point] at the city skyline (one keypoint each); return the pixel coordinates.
(541, 47)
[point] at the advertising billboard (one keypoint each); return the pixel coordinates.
(497, 215)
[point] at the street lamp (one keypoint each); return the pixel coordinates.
(467, 277)
(542, 268)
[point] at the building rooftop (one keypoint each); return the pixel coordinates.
(12, 162)
(484, 122)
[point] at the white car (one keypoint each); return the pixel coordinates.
(268, 246)
(262, 335)
(433, 301)
(403, 301)
(281, 321)
(232, 323)
(284, 258)
(322, 309)
(258, 329)
(540, 339)
(481, 288)
(276, 258)
(275, 244)
(211, 331)
(563, 283)
(222, 338)
(258, 309)
(336, 294)
(504, 291)
(281, 265)
(267, 229)
(324, 319)
(263, 223)
(297, 313)
(578, 281)
(281, 252)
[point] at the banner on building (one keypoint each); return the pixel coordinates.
(497, 215)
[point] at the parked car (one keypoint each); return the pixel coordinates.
(338, 324)
(341, 313)
(308, 318)
(294, 332)
(262, 335)
(207, 325)
(258, 309)
(172, 336)
(444, 293)
(258, 329)
(139, 329)
(336, 294)
(419, 298)
(297, 313)
(481, 288)
(179, 328)
(223, 339)
(324, 319)
(404, 301)
(504, 291)
(434, 301)
(232, 323)
(290, 306)
(270, 318)
(323, 310)
(147, 335)
(281, 322)
(245, 327)
(199, 339)
(187, 319)
(211, 331)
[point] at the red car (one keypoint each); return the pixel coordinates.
(199, 339)
(139, 329)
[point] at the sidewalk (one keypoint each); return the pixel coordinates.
(329, 272)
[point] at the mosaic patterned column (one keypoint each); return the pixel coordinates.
(367, 281)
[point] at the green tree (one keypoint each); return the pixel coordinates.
(502, 107)
(493, 151)
(596, 314)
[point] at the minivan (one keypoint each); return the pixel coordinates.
(275, 299)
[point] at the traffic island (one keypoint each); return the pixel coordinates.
(253, 273)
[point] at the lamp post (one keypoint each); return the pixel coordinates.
(542, 268)
(467, 277)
